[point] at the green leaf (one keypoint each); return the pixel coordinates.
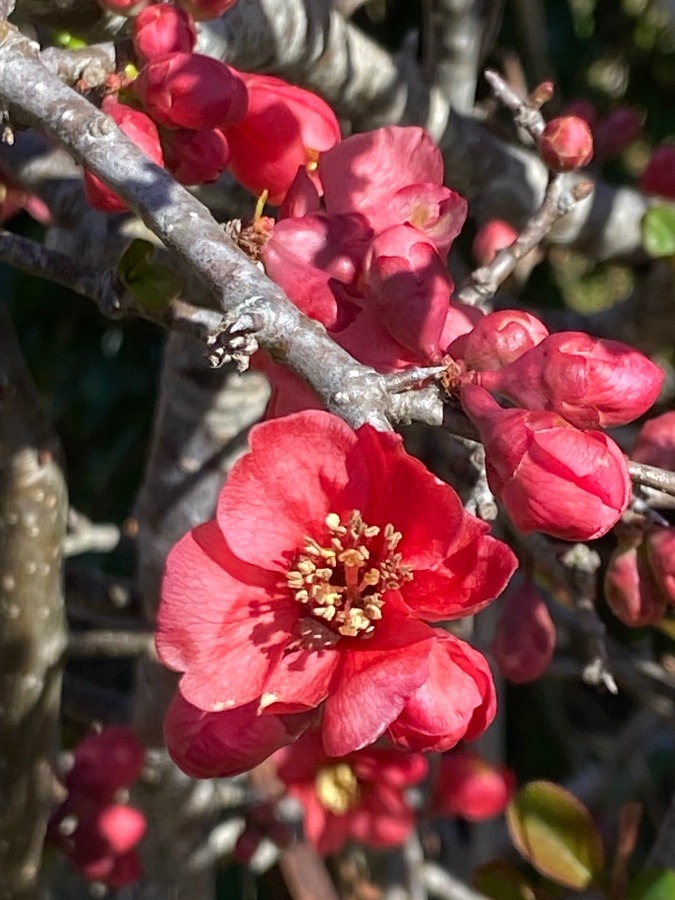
(658, 230)
(555, 832)
(152, 284)
(500, 880)
(655, 885)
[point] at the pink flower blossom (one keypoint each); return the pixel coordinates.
(328, 548)
(358, 797)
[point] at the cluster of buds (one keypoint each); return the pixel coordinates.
(198, 116)
(92, 828)
(547, 460)
(640, 577)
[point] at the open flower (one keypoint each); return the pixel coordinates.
(358, 797)
(328, 548)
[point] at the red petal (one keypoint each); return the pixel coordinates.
(215, 745)
(300, 680)
(300, 468)
(213, 626)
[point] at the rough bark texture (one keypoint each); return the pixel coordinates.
(33, 507)
(200, 430)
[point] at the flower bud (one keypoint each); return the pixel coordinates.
(618, 130)
(661, 552)
(492, 237)
(659, 176)
(206, 9)
(195, 157)
(285, 128)
(655, 443)
(471, 787)
(566, 144)
(550, 476)
(122, 827)
(143, 132)
(188, 90)
(631, 590)
(589, 381)
(161, 29)
(499, 339)
(524, 640)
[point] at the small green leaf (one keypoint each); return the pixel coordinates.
(500, 880)
(655, 885)
(658, 230)
(556, 834)
(152, 284)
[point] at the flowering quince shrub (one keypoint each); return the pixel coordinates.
(91, 828)
(358, 797)
(330, 552)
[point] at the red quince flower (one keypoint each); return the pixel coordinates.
(195, 157)
(393, 176)
(285, 128)
(161, 29)
(189, 90)
(524, 640)
(550, 476)
(589, 381)
(632, 591)
(661, 551)
(328, 548)
(498, 339)
(470, 787)
(655, 443)
(358, 797)
(143, 132)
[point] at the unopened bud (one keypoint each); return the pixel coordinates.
(566, 143)
(524, 640)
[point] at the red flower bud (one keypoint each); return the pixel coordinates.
(188, 90)
(195, 157)
(285, 128)
(142, 131)
(655, 443)
(121, 826)
(661, 551)
(550, 477)
(115, 872)
(618, 130)
(659, 176)
(524, 640)
(471, 787)
(566, 144)
(492, 237)
(589, 381)
(105, 762)
(206, 9)
(161, 29)
(631, 590)
(499, 339)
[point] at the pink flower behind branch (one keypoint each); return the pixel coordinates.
(329, 549)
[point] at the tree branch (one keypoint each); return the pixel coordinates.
(33, 506)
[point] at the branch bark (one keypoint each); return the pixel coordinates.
(33, 508)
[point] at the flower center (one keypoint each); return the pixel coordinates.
(342, 583)
(337, 788)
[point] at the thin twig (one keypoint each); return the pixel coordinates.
(85, 536)
(111, 644)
